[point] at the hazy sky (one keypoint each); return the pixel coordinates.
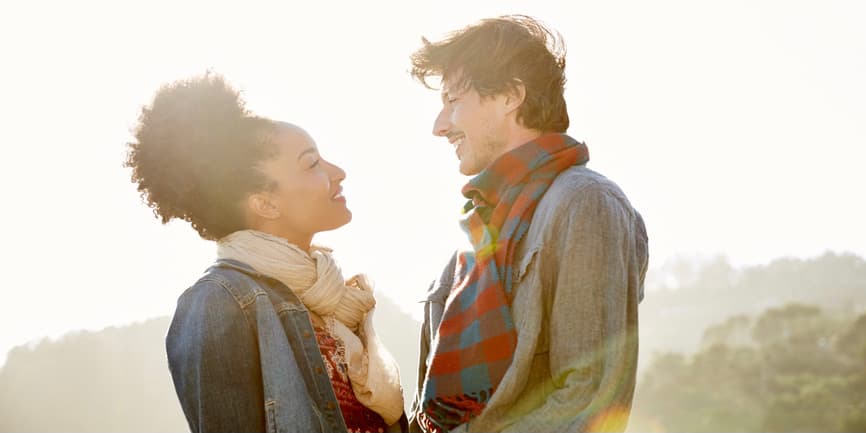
(735, 127)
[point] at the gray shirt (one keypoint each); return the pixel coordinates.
(579, 275)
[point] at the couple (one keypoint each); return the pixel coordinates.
(535, 329)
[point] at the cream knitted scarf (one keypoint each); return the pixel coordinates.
(346, 307)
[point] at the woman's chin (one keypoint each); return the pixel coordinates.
(348, 218)
(342, 220)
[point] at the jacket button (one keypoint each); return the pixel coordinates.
(319, 370)
(306, 334)
(330, 405)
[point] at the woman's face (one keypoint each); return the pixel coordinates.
(306, 195)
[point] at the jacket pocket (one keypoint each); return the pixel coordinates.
(270, 417)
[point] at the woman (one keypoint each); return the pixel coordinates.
(272, 337)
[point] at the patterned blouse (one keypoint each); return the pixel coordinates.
(359, 418)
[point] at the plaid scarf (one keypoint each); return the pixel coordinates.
(476, 339)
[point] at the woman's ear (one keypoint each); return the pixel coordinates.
(261, 204)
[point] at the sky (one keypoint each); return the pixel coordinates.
(735, 128)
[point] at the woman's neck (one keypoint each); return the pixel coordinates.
(301, 241)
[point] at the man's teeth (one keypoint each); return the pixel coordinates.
(459, 141)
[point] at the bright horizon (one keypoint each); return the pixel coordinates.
(735, 129)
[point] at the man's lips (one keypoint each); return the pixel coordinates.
(456, 140)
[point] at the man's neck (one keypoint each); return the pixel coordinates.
(520, 136)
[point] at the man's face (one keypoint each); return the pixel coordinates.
(476, 126)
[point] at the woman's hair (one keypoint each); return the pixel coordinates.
(196, 152)
(496, 54)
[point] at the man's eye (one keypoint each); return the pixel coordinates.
(315, 163)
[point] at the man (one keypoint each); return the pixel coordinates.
(536, 328)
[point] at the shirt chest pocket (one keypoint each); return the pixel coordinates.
(525, 265)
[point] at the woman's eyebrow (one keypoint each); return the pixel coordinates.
(306, 151)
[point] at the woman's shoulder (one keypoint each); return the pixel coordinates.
(224, 284)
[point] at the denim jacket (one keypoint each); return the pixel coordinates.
(244, 357)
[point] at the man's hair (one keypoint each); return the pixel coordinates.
(496, 54)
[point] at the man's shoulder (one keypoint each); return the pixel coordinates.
(576, 190)
(576, 185)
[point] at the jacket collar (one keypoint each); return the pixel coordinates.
(285, 292)
(239, 266)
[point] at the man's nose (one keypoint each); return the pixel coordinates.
(442, 124)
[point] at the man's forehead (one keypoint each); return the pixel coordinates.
(453, 83)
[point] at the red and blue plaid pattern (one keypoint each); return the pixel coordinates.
(476, 339)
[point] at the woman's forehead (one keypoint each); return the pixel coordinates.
(294, 137)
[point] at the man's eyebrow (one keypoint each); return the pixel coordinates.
(306, 151)
(446, 93)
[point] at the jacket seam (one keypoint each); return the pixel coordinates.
(242, 305)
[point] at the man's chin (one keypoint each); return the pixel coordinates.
(467, 169)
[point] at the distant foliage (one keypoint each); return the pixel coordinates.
(798, 368)
(686, 298)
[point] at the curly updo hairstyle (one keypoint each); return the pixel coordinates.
(196, 152)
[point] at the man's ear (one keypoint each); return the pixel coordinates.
(515, 96)
(261, 204)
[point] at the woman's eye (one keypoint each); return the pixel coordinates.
(315, 163)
